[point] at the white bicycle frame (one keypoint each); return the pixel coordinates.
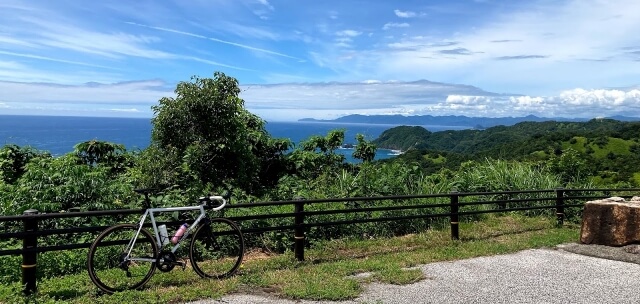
(150, 212)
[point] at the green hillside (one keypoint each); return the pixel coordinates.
(520, 139)
(610, 147)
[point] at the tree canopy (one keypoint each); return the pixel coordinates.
(206, 133)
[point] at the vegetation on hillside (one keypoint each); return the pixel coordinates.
(610, 147)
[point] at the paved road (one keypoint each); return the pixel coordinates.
(530, 276)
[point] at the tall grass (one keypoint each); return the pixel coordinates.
(369, 180)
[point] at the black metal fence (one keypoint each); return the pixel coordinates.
(452, 205)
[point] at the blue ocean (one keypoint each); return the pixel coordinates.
(58, 134)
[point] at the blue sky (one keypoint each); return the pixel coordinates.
(325, 59)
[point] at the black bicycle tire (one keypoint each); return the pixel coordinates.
(238, 262)
(90, 259)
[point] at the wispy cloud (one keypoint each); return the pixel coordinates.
(456, 51)
(422, 99)
(266, 4)
(405, 14)
(214, 63)
(519, 57)
(348, 33)
(130, 110)
(391, 25)
(51, 34)
(293, 101)
(264, 12)
(248, 47)
(134, 93)
(505, 40)
(54, 59)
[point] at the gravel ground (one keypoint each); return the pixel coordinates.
(572, 273)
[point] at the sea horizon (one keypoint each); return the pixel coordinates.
(59, 134)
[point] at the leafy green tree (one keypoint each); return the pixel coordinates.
(205, 135)
(317, 154)
(13, 161)
(569, 165)
(57, 184)
(364, 150)
(111, 155)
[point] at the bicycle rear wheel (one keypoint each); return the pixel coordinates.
(106, 263)
(217, 249)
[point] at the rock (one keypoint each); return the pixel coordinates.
(611, 222)
(635, 249)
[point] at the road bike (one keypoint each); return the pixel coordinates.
(125, 256)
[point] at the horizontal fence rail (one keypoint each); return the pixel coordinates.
(23, 231)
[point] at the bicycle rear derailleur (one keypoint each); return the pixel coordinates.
(167, 260)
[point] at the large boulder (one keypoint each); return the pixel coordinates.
(611, 222)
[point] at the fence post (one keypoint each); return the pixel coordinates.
(560, 206)
(298, 232)
(29, 259)
(455, 229)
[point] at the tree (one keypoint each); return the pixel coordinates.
(208, 136)
(317, 154)
(111, 155)
(364, 150)
(569, 165)
(54, 184)
(13, 161)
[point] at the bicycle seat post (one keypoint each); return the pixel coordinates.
(147, 201)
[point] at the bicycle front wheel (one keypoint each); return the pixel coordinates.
(110, 268)
(217, 249)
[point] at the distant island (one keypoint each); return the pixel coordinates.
(453, 120)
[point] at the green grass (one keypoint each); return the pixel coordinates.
(578, 146)
(436, 159)
(614, 145)
(330, 269)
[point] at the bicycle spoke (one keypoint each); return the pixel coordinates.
(217, 249)
(109, 265)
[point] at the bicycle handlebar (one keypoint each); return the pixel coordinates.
(208, 199)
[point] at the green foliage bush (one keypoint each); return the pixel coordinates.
(206, 134)
(58, 184)
(14, 159)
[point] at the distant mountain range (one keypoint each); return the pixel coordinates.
(453, 120)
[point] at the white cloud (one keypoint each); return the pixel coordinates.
(405, 14)
(603, 98)
(293, 101)
(131, 110)
(45, 58)
(526, 101)
(240, 45)
(265, 3)
(374, 97)
(467, 100)
(391, 25)
(551, 47)
(59, 35)
(140, 93)
(348, 33)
